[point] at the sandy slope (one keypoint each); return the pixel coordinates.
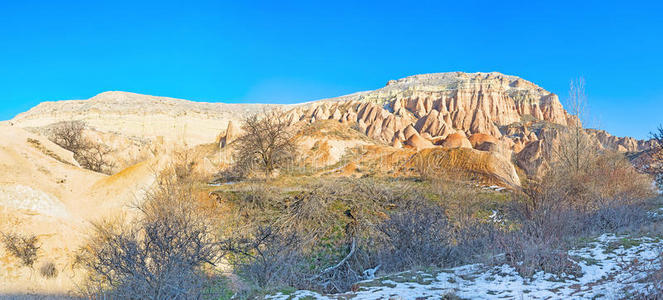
(43, 191)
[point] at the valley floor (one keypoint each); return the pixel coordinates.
(613, 267)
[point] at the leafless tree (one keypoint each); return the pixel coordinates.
(656, 155)
(657, 136)
(268, 142)
(90, 155)
(575, 149)
(69, 135)
(94, 156)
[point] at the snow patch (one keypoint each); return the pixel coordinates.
(611, 267)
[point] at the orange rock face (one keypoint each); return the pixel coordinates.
(456, 140)
(480, 138)
(419, 142)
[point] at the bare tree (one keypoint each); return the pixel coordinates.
(656, 155)
(657, 137)
(268, 142)
(94, 156)
(575, 150)
(90, 155)
(69, 135)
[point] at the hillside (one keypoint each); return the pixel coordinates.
(435, 104)
(44, 192)
(460, 146)
(142, 116)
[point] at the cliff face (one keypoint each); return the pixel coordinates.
(443, 103)
(437, 105)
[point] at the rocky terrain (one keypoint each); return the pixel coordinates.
(434, 105)
(505, 122)
(486, 111)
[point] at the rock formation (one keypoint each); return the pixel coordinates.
(500, 113)
(456, 140)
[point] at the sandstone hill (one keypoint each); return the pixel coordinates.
(490, 124)
(433, 104)
(142, 116)
(43, 191)
(486, 111)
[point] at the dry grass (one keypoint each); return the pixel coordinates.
(453, 164)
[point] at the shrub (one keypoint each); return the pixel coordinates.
(48, 270)
(95, 157)
(23, 247)
(161, 255)
(69, 135)
(607, 178)
(415, 237)
(267, 258)
(570, 203)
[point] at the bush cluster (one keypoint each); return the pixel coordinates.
(23, 247)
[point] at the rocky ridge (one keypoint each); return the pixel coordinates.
(142, 116)
(507, 114)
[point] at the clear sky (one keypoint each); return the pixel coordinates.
(291, 51)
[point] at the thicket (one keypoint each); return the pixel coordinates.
(168, 251)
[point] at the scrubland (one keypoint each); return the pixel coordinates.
(427, 224)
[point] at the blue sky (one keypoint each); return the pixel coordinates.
(291, 51)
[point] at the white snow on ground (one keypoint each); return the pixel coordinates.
(611, 267)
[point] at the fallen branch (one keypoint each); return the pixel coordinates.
(353, 248)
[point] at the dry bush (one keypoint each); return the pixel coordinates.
(656, 154)
(529, 253)
(268, 143)
(183, 169)
(548, 229)
(416, 237)
(23, 247)
(607, 177)
(267, 258)
(162, 254)
(604, 193)
(48, 270)
(90, 155)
